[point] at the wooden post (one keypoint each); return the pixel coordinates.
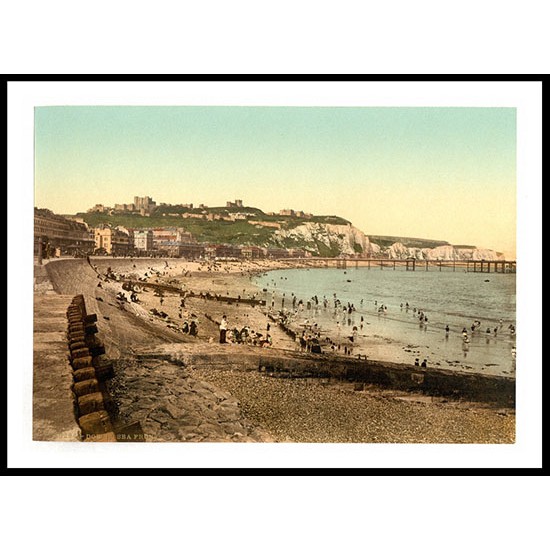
(394, 265)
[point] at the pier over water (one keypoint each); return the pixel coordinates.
(470, 266)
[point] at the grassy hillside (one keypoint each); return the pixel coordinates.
(410, 242)
(217, 231)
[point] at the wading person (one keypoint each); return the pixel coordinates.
(223, 329)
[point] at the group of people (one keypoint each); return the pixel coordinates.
(190, 327)
(309, 342)
(424, 364)
(476, 328)
(245, 335)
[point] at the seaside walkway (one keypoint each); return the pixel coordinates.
(53, 400)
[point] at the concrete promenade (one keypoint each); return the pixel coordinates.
(53, 400)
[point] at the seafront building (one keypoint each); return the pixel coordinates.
(143, 240)
(175, 249)
(225, 251)
(252, 252)
(171, 234)
(55, 235)
(277, 253)
(112, 240)
(175, 242)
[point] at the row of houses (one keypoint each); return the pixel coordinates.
(175, 243)
(58, 235)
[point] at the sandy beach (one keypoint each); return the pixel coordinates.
(263, 408)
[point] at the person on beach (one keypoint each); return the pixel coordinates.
(223, 330)
(424, 364)
(447, 329)
(416, 362)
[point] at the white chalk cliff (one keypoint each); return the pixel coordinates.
(346, 239)
(319, 238)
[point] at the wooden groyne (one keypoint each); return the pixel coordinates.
(133, 284)
(430, 381)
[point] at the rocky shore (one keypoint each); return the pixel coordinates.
(173, 405)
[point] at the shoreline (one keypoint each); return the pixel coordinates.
(374, 340)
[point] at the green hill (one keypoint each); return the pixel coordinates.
(409, 242)
(212, 231)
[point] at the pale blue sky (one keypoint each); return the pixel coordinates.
(442, 173)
